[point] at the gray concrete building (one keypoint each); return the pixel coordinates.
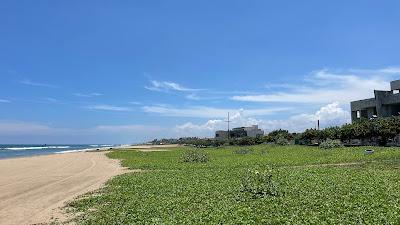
(221, 134)
(239, 132)
(385, 104)
(254, 131)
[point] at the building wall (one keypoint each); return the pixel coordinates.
(385, 104)
(253, 131)
(221, 134)
(239, 132)
(395, 85)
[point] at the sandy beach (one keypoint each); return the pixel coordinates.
(34, 189)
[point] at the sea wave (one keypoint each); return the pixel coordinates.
(36, 147)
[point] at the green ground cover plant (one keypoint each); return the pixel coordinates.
(259, 183)
(314, 186)
(243, 151)
(329, 144)
(195, 156)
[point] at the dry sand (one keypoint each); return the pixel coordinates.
(34, 189)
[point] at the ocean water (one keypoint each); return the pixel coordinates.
(13, 151)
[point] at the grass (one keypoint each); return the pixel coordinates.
(360, 189)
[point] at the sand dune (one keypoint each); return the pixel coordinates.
(32, 190)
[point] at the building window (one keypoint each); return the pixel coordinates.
(358, 114)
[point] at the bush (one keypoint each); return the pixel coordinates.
(259, 183)
(243, 151)
(328, 144)
(276, 134)
(195, 156)
(282, 141)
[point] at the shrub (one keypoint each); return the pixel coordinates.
(195, 156)
(276, 134)
(282, 141)
(328, 144)
(243, 151)
(259, 183)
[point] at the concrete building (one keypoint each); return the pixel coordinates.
(254, 131)
(221, 134)
(239, 132)
(385, 104)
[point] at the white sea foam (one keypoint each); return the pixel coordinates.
(78, 150)
(36, 147)
(24, 148)
(59, 147)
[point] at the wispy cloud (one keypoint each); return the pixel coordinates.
(37, 84)
(208, 112)
(324, 86)
(208, 96)
(20, 128)
(193, 97)
(87, 95)
(104, 107)
(125, 128)
(48, 100)
(135, 103)
(4, 101)
(166, 86)
(52, 100)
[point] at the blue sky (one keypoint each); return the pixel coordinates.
(129, 71)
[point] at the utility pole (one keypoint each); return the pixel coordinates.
(228, 121)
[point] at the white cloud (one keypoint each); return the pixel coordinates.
(40, 133)
(4, 101)
(329, 115)
(208, 112)
(37, 84)
(165, 86)
(108, 108)
(88, 95)
(324, 86)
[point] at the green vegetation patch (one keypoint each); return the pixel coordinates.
(328, 144)
(307, 185)
(243, 151)
(195, 156)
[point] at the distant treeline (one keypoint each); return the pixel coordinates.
(378, 131)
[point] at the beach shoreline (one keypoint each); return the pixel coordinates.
(35, 189)
(139, 147)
